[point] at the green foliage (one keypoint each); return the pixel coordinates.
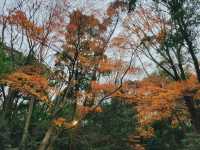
(191, 142)
(11, 131)
(166, 137)
(132, 4)
(102, 131)
(4, 133)
(39, 124)
(5, 61)
(7, 64)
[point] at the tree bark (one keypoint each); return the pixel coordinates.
(27, 124)
(8, 103)
(171, 62)
(52, 141)
(191, 51)
(46, 140)
(195, 116)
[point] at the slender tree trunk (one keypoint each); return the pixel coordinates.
(27, 124)
(194, 58)
(3, 32)
(46, 140)
(179, 58)
(183, 76)
(8, 103)
(176, 75)
(52, 141)
(180, 65)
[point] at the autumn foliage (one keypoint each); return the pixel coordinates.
(29, 81)
(126, 77)
(19, 19)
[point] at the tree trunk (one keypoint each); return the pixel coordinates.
(183, 76)
(195, 116)
(180, 63)
(8, 103)
(171, 62)
(46, 140)
(190, 48)
(194, 58)
(52, 141)
(27, 124)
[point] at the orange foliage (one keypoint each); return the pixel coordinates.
(112, 10)
(106, 66)
(28, 82)
(158, 99)
(59, 122)
(19, 18)
(160, 37)
(119, 41)
(72, 27)
(62, 122)
(147, 26)
(85, 109)
(145, 133)
(84, 31)
(138, 147)
(98, 109)
(134, 70)
(155, 102)
(106, 87)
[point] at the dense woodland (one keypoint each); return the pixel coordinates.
(99, 75)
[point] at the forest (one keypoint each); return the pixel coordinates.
(99, 75)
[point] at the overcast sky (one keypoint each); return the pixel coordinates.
(96, 7)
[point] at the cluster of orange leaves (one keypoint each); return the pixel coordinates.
(113, 8)
(105, 87)
(81, 22)
(86, 61)
(157, 99)
(145, 133)
(119, 41)
(85, 31)
(160, 37)
(28, 81)
(107, 66)
(59, 122)
(81, 112)
(19, 18)
(62, 122)
(85, 109)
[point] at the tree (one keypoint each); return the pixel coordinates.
(82, 58)
(162, 41)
